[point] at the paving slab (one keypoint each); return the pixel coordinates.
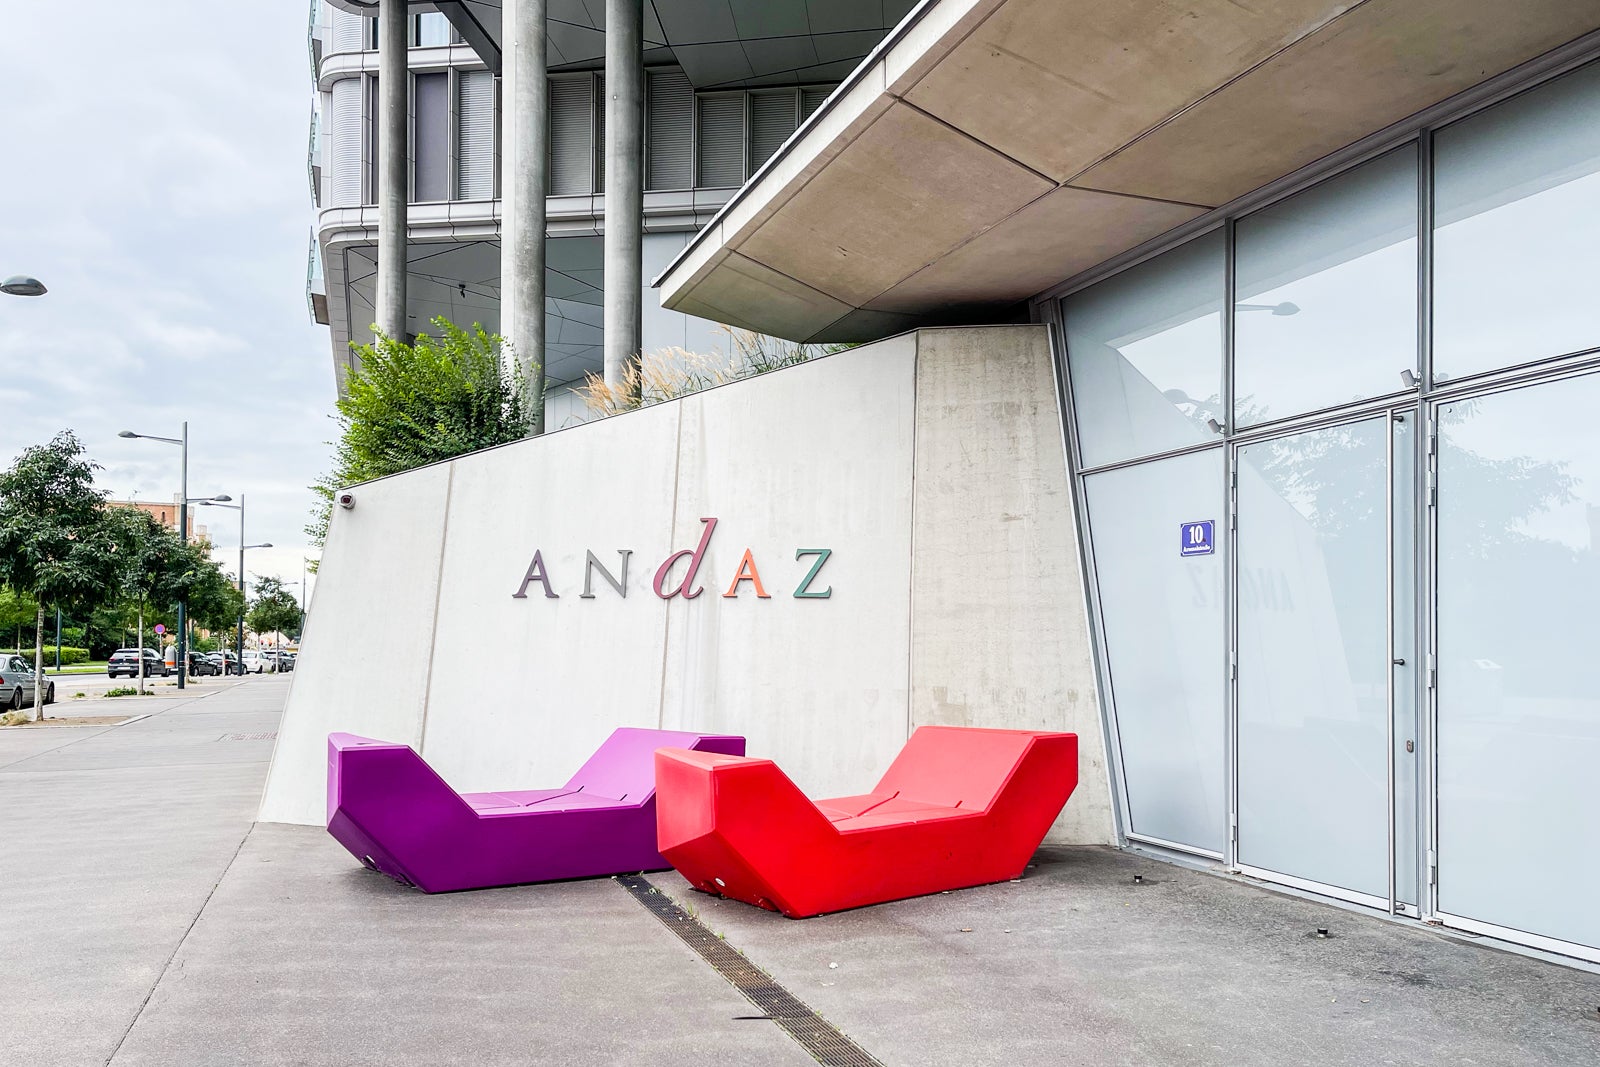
(112, 840)
(1077, 964)
(302, 956)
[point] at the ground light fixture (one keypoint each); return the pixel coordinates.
(22, 285)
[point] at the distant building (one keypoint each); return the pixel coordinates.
(166, 513)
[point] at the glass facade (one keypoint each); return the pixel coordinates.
(1339, 469)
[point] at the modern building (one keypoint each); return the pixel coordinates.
(721, 95)
(1228, 396)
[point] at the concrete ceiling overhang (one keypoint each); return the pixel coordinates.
(718, 43)
(990, 149)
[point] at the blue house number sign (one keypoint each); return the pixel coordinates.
(1199, 538)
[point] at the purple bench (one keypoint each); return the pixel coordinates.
(397, 816)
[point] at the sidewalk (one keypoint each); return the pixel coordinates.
(146, 922)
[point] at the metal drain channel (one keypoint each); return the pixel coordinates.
(811, 1031)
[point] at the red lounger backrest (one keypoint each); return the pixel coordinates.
(955, 766)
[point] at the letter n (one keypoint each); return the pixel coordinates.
(592, 564)
(536, 573)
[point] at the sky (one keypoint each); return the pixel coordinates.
(155, 180)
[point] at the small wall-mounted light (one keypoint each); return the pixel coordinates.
(1216, 427)
(1409, 377)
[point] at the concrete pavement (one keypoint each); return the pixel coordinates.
(145, 920)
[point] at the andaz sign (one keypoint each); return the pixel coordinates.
(666, 587)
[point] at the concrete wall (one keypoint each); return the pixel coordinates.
(931, 464)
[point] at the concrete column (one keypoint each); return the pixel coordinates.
(393, 171)
(624, 259)
(524, 182)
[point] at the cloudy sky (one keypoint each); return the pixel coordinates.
(155, 181)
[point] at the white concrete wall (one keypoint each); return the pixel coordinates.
(931, 464)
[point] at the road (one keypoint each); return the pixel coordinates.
(95, 685)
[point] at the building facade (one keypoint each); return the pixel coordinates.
(704, 136)
(1319, 289)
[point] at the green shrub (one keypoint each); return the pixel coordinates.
(121, 691)
(69, 655)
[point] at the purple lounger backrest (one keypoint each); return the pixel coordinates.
(624, 767)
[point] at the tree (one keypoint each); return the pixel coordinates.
(54, 543)
(214, 601)
(406, 406)
(149, 555)
(273, 609)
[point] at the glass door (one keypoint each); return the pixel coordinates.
(1325, 740)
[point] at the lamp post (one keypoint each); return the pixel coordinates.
(22, 285)
(183, 533)
(239, 507)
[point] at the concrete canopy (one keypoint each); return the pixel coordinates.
(992, 148)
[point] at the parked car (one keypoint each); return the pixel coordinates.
(259, 660)
(286, 661)
(200, 664)
(18, 686)
(225, 662)
(125, 661)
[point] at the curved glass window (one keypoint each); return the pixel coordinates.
(1145, 352)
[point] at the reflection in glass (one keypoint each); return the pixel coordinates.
(1313, 662)
(1162, 623)
(1145, 353)
(1326, 309)
(1517, 229)
(1519, 677)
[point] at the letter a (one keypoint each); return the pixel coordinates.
(536, 573)
(695, 556)
(747, 573)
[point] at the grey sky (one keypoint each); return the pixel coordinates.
(155, 180)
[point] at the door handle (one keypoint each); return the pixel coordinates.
(1399, 663)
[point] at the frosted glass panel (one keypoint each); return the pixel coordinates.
(1313, 660)
(1517, 229)
(1162, 621)
(1145, 353)
(1519, 677)
(1326, 304)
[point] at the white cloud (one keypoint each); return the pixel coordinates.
(157, 185)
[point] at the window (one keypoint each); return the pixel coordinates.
(1325, 305)
(773, 117)
(719, 140)
(430, 29)
(475, 126)
(1517, 229)
(1145, 353)
(572, 128)
(430, 137)
(669, 130)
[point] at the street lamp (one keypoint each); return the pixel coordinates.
(183, 533)
(220, 502)
(22, 285)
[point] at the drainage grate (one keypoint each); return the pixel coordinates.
(249, 737)
(813, 1033)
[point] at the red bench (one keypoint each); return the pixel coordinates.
(958, 807)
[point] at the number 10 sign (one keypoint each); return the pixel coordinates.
(1199, 538)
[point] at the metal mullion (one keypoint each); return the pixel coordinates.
(1230, 540)
(452, 133)
(1388, 645)
(1135, 461)
(1115, 771)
